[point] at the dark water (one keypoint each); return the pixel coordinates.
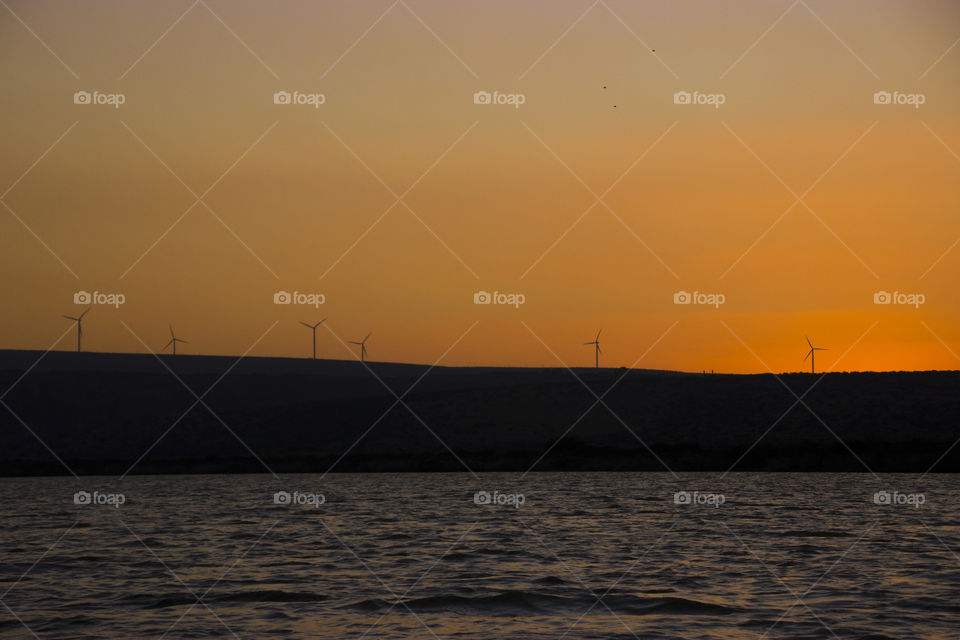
(413, 556)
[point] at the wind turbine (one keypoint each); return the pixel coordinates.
(314, 328)
(596, 353)
(78, 320)
(363, 346)
(810, 354)
(173, 341)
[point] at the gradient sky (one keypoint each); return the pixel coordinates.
(502, 185)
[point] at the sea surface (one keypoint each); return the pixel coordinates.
(551, 555)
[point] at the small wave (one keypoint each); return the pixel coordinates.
(258, 595)
(814, 534)
(520, 603)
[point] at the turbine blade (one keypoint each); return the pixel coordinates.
(84, 313)
(309, 326)
(167, 345)
(368, 335)
(808, 355)
(321, 322)
(171, 331)
(598, 334)
(808, 342)
(72, 318)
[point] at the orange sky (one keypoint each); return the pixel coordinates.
(494, 191)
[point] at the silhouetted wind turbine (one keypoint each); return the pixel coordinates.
(363, 346)
(173, 341)
(78, 320)
(810, 354)
(597, 352)
(314, 328)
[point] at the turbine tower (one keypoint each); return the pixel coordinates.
(173, 341)
(596, 351)
(810, 354)
(363, 346)
(79, 321)
(313, 327)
